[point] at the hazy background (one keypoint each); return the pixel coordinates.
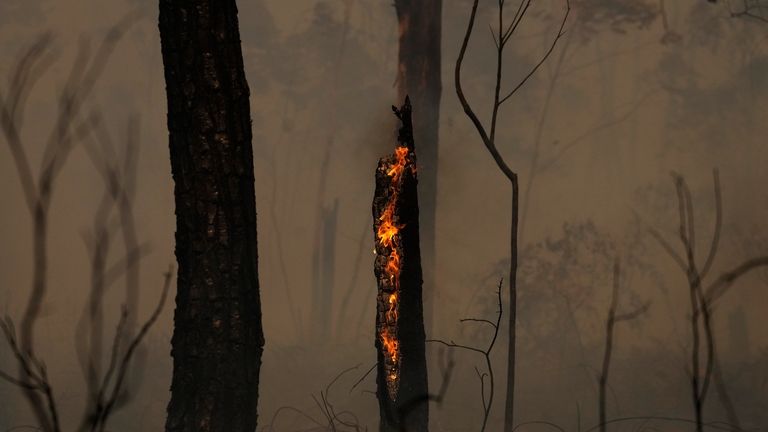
(629, 95)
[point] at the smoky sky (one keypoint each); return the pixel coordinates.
(633, 92)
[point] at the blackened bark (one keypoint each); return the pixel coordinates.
(217, 340)
(418, 76)
(408, 410)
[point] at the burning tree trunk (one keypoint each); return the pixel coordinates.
(402, 370)
(217, 339)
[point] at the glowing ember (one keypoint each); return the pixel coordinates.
(388, 239)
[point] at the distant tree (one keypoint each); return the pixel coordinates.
(106, 382)
(217, 340)
(590, 19)
(704, 293)
(614, 317)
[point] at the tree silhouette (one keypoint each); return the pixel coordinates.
(501, 36)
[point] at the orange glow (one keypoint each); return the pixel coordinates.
(388, 238)
(392, 311)
(387, 230)
(396, 170)
(393, 265)
(390, 344)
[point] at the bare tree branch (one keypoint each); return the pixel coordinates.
(486, 353)
(560, 33)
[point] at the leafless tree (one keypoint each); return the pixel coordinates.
(501, 37)
(106, 389)
(612, 319)
(703, 295)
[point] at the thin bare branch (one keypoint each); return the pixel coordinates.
(510, 30)
(489, 322)
(722, 284)
(566, 147)
(628, 316)
(124, 367)
(669, 249)
(560, 34)
(718, 225)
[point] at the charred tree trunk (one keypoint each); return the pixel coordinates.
(418, 76)
(401, 372)
(217, 340)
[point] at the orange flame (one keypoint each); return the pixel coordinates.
(387, 235)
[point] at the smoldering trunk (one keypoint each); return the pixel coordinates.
(401, 376)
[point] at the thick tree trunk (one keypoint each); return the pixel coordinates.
(401, 376)
(217, 339)
(418, 76)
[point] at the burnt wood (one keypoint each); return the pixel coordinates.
(408, 411)
(217, 339)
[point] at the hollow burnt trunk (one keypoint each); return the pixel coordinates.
(217, 340)
(401, 373)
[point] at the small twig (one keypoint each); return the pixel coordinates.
(363, 377)
(486, 353)
(271, 425)
(478, 320)
(560, 34)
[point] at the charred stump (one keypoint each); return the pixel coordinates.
(401, 372)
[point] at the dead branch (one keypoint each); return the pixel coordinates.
(487, 401)
(119, 180)
(34, 375)
(335, 421)
(111, 395)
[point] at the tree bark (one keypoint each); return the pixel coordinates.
(401, 376)
(418, 76)
(217, 340)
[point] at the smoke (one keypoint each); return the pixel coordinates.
(627, 106)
